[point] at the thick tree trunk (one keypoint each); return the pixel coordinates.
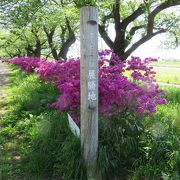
(119, 48)
(65, 44)
(37, 51)
(29, 51)
(34, 52)
(65, 47)
(71, 38)
(50, 41)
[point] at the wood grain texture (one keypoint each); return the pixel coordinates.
(89, 85)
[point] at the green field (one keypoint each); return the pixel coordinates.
(167, 63)
(166, 75)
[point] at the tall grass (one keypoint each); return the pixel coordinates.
(162, 141)
(130, 147)
(41, 136)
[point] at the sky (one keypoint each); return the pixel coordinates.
(152, 48)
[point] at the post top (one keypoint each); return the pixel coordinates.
(89, 7)
(89, 13)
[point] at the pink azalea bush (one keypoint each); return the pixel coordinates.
(26, 63)
(117, 93)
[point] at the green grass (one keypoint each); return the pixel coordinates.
(36, 142)
(167, 75)
(171, 76)
(27, 100)
(167, 64)
(172, 110)
(162, 155)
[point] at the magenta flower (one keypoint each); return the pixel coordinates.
(117, 93)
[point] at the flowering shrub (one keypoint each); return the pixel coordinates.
(117, 93)
(26, 63)
(141, 70)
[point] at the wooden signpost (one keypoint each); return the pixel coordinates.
(89, 86)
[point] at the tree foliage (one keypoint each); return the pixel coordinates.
(46, 26)
(53, 25)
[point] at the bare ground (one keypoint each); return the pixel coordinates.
(4, 82)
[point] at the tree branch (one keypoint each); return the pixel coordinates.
(157, 10)
(131, 33)
(134, 29)
(63, 33)
(105, 36)
(50, 41)
(68, 26)
(70, 40)
(116, 16)
(43, 42)
(141, 41)
(132, 17)
(176, 38)
(105, 18)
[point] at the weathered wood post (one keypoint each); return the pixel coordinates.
(89, 86)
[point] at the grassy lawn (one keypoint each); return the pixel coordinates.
(171, 76)
(168, 75)
(167, 63)
(36, 143)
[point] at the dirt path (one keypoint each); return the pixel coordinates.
(165, 67)
(9, 156)
(4, 82)
(167, 84)
(3, 74)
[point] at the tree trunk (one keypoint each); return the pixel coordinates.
(29, 50)
(70, 40)
(37, 51)
(65, 47)
(50, 42)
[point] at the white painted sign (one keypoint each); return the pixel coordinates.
(73, 126)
